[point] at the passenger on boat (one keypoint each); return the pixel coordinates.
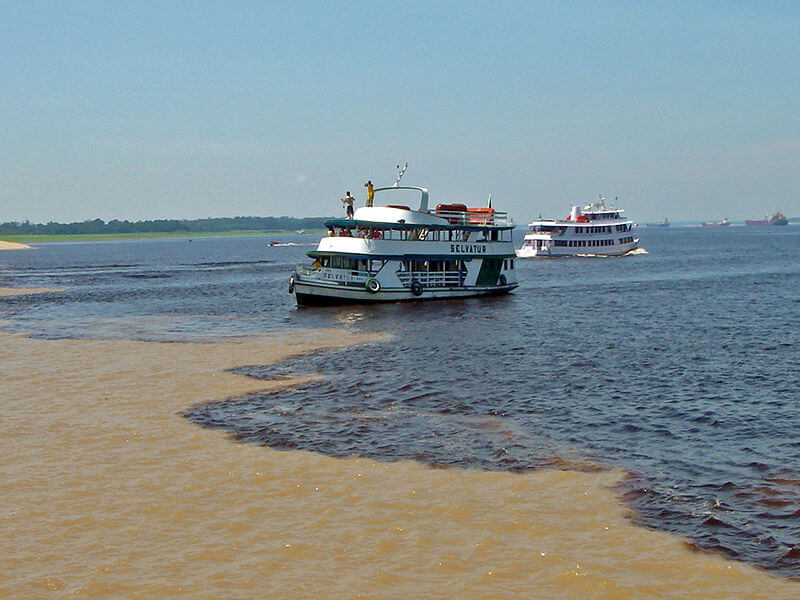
(370, 192)
(348, 204)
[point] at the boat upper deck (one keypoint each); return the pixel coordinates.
(444, 216)
(595, 214)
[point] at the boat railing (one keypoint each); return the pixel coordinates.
(430, 278)
(473, 216)
(557, 233)
(331, 274)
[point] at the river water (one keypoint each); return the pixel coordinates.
(677, 367)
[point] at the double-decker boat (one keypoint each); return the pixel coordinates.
(592, 231)
(392, 253)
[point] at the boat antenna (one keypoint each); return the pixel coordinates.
(400, 173)
(489, 202)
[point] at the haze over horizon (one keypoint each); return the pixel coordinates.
(153, 110)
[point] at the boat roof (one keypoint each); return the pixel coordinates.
(449, 216)
(570, 223)
(596, 208)
(364, 224)
(423, 201)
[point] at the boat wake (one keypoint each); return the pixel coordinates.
(633, 252)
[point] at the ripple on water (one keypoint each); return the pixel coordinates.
(680, 480)
(679, 366)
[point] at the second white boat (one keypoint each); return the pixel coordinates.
(592, 231)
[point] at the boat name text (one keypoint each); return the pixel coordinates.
(468, 248)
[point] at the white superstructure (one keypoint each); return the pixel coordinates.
(592, 231)
(392, 252)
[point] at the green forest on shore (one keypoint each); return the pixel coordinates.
(115, 229)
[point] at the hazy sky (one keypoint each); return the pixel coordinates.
(141, 110)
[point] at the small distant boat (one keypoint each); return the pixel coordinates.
(662, 223)
(301, 231)
(776, 219)
(723, 223)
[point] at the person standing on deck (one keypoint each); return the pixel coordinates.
(348, 204)
(370, 192)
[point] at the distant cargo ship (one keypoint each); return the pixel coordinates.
(722, 223)
(775, 219)
(662, 223)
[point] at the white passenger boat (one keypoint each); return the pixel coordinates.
(592, 231)
(393, 253)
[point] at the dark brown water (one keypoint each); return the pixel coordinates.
(678, 366)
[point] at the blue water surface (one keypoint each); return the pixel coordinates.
(678, 365)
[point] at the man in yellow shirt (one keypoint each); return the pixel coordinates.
(370, 192)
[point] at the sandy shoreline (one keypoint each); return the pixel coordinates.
(13, 246)
(9, 291)
(106, 490)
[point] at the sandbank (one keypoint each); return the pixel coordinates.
(13, 246)
(107, 491)
(9, 291)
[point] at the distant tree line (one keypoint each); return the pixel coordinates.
(165, 225)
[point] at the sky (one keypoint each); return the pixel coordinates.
(149, 110)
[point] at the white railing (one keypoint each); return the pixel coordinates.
(473, 217)
(430, 279)
(331, 275)
(550, 233)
